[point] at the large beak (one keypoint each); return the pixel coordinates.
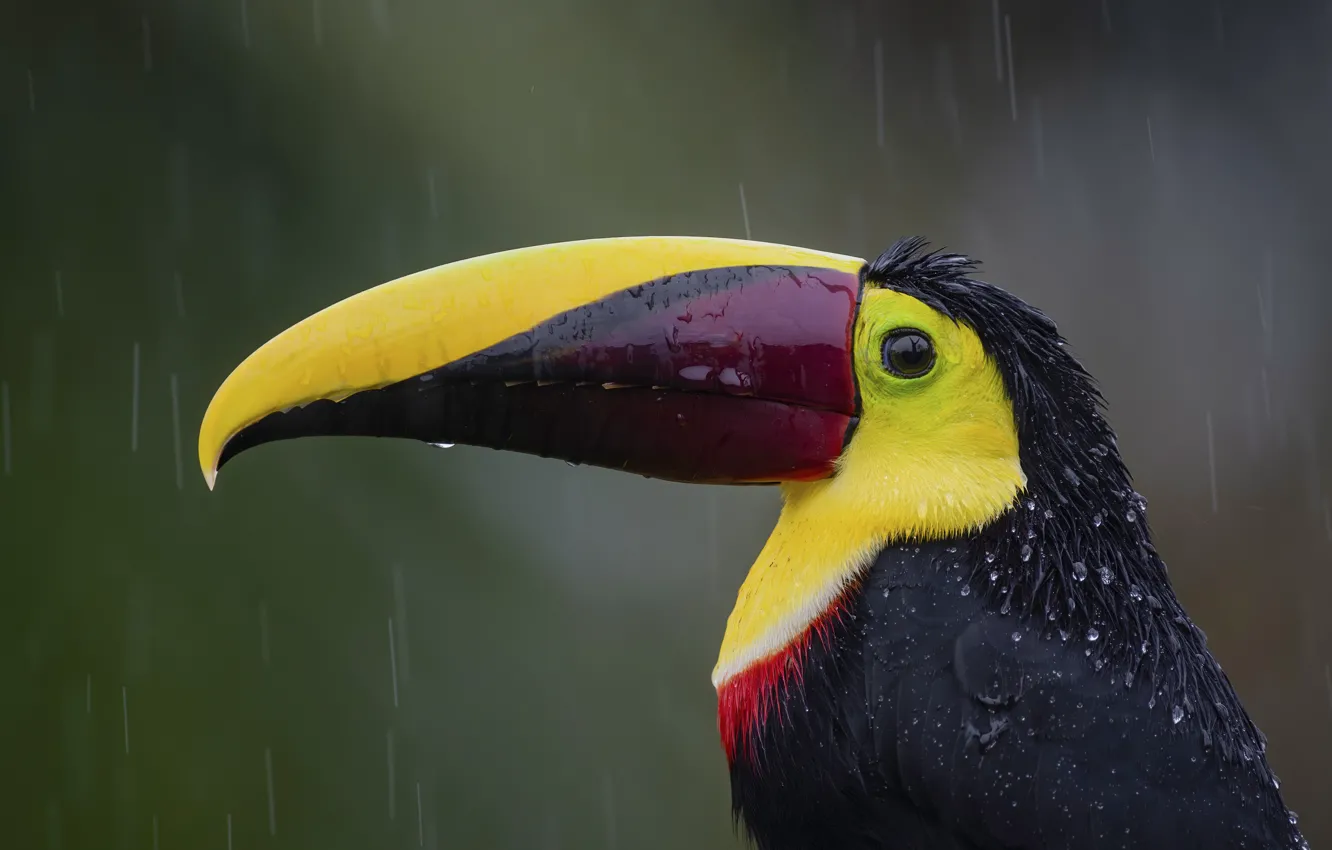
(688, 359)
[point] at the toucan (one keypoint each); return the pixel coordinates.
(959, 634)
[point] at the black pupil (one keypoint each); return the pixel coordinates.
(909, 354)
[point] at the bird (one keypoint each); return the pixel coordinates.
(959, 633)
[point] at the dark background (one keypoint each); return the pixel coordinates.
(185, 178)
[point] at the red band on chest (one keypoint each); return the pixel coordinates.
(747, 701)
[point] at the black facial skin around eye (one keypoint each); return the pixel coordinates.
(908, 353)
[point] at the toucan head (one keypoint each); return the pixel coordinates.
(690, 359)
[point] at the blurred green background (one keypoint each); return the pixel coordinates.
(371, 644)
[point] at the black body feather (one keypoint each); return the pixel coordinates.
(1035, 686)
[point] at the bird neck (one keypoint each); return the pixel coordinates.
(829, 532)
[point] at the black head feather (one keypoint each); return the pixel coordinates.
(1075, 549)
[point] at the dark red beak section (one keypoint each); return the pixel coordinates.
(723, 375)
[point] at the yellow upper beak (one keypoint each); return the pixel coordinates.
(424, 321)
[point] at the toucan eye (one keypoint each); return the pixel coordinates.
(908, 353)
